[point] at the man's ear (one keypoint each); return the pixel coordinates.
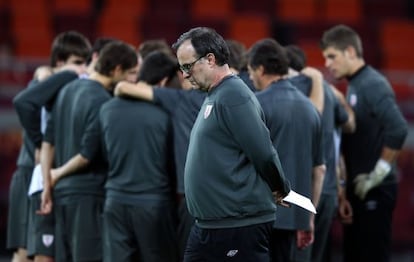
(350, 52)
(163, 81)
(60, 63)
(116, 71)
(260, 70)
(211, 58)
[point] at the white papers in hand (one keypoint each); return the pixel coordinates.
(300, 200)
(36, 184)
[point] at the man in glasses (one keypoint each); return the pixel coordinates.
(232, 169)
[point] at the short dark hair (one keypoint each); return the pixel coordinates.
(206, 40)
(156, 66)
(341, 37)
(237, 58)
(69, 43)
(271, 55)
(148, 46)
(98, 44)
(296, 57)
(114, 54)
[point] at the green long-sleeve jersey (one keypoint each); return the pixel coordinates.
(232, 167)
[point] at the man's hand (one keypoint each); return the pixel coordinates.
(54, 176)
(365, 182)
(47, 203)
(304, 238)
(279, 199)
(345, 211)
(42, 72)
(312, 73)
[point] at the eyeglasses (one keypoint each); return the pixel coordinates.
(186, 68)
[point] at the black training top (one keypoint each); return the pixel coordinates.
(30, 101)
(28, 147)
(333, 114)
(379, 122)
(232, 167)
(296, 132)
(74, 128)
(138, 142)
(183, 105)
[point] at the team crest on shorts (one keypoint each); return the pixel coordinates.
(47, 239)
(207, 111)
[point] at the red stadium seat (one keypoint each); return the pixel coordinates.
(211, 9)
(249, 28)
(67, 7)
(125, 28)
(396, 41)
(121, 19)
(31, 28)
(313, 53)
(342, 11)
(297, 11)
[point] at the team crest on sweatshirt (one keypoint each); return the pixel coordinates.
(353, 100)
(207, 111)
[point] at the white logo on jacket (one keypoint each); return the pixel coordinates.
(208, 111)
(232, 253)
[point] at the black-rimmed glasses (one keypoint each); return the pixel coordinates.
(186, 68)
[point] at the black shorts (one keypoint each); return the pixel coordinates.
(18, 208)
(241, 244)
(41, 237)
(141, 232)
(78, 228)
